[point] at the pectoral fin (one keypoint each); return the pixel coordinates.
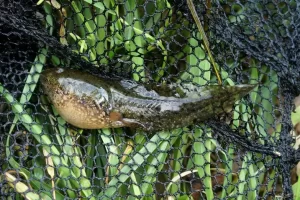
(118, 121)
(133, 123)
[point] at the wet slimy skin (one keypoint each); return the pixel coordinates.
(92, 102)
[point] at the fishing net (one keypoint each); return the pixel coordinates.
(251, 153)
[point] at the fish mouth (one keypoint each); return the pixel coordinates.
(46, 79)
(49, 74)
(43, 78)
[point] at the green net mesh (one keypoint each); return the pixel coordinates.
(250, 152)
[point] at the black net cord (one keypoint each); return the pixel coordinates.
(283, 151)
(31, 27)
(224, 130)
(289, 155)
(287, 64)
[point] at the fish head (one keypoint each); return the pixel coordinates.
(49, 82)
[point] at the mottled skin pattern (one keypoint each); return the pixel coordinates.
(91, 102)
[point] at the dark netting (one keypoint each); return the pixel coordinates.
(234, 143)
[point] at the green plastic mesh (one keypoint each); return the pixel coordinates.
(251, 153)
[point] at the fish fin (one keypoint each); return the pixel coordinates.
(138, 89)
(118, 119)
(134, 123)
(115, 116)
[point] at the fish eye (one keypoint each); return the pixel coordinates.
(102, 101)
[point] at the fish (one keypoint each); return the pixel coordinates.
(87, 101)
